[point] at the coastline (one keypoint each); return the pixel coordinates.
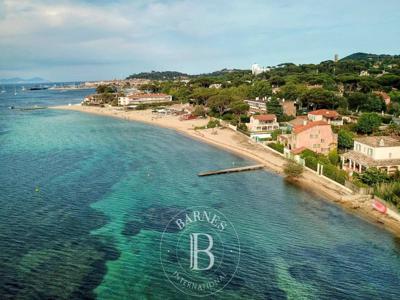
(239, 144)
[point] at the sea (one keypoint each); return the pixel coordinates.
(86, 203)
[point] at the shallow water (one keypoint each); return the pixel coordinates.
(84, 200)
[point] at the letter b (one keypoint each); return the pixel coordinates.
(194, 251)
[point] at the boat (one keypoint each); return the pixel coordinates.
(23, 89)
(15, 91)
(38, 88)
(3, 90)
(379, 206)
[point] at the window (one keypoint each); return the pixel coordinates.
(369, 151)
(390, 154)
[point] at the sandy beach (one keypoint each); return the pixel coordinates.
(232, 141)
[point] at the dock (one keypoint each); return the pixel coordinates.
(232, 170)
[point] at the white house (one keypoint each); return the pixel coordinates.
(263, 123)
(382, 152)
(256, 69)
(257, 104)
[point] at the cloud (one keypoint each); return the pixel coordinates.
(191, 36)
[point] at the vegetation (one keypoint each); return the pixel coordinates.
(368, 123)
(345, 139)
(276, 146)
(293, 169)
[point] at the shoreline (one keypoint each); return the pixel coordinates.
(237, 143)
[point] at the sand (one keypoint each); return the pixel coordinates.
(240, 144)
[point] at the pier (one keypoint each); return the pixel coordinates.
(231, 170)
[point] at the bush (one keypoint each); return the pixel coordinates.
(276, 146)
(333, 157)
(389, 192)
(311, 162)
(335, 174)
(293, 169)
(213, 124)
(275, 134)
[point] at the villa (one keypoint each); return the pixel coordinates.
(329, 116)
(382, 152)
(135, 99)
(263, 123)
(316, 136)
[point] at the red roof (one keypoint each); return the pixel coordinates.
(325, 112)
(266, 117)
(298, 150)
(301, 128)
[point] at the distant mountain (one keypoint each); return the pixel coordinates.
(368, 56)
(22, 80)
(158, 75)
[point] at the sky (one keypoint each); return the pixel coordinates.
(92, 40)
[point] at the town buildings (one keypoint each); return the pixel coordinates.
(144, 98)
(316, 136)
(329, 116)
(382, 152)
(263, 123)
(257, 69)
(257, 105)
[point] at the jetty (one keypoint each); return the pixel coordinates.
(231, 170)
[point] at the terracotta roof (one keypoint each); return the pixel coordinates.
(325, 112)
(266, 117)
(298, 150)
(379, 141)
(301, 128)
(298, 121)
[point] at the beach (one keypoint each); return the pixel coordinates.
(235, 142)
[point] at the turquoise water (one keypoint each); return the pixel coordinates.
(84, 200)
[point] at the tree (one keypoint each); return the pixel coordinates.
(274, 107)
(199, 111)
(368, 123)
(103, 89)
(219, 103)
(319, 98)
(356, 100)
(239, 107)
(201, 95)
(345, 139)
(261, 88)
(293, 169)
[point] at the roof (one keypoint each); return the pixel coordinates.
(379, 141)
(324, 112)
(369, 161)
(309, 125)
(298, 121)
(265, 117)
(298, 150)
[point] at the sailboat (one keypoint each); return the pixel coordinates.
(23, 88)
(15, 91)
(3, 90)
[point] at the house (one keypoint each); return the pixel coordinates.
(257, 105)
(316, 136)
(135, 99)
(382, 152)
(263, 123)
(329, 116)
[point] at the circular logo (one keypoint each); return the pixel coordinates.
(199, 251)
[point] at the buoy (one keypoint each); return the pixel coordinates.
(37, 189)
